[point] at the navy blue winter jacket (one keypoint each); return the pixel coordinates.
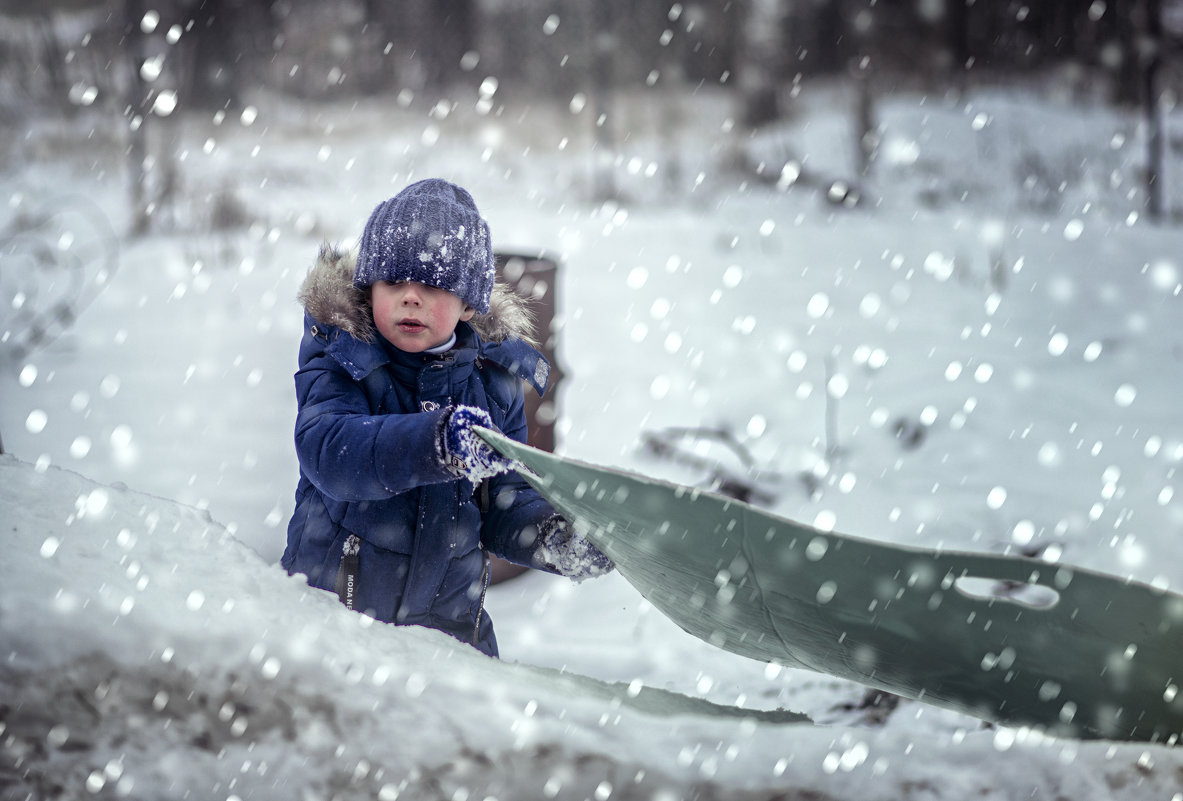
(373, 484)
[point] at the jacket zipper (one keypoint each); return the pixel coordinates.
(347, 574)
(486, 574)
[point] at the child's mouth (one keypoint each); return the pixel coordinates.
(411, 326)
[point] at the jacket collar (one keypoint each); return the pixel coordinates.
(361, 358)
(521, 360)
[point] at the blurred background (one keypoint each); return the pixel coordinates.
(130, 67)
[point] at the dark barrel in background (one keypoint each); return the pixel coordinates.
(534, 276)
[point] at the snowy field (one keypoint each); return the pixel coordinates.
(983, 353)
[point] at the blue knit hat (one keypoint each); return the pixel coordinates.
(430, 233)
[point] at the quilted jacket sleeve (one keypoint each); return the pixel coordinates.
(351, 454)
(516, 510)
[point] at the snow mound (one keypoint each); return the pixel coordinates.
(149, 654)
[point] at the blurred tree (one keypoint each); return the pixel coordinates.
(1150, 62)
(835, 26)
(957, 21)
(440, 32)
(604, 42)
(314, 47)
(710, 34)
(223, 39)
(764, 63)
(137, 114)
(39, 8)
(375, 72)
(43, 15)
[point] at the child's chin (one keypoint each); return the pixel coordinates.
(408, 343)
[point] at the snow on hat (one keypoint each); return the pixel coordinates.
(430, 233)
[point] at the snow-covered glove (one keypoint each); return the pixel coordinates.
(567, 552)
(464, 452)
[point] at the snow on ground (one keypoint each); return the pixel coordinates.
(152, 655)
(967, 358)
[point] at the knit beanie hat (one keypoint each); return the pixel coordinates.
(430, 233)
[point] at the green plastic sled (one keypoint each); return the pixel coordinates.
(1074, 652)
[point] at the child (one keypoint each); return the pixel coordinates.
(408, 344)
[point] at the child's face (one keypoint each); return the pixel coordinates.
(414, 317)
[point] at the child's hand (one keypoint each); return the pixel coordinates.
(564, 550)
(465, 453)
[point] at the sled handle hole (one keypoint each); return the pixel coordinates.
(1032, 596)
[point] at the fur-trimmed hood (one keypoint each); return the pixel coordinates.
(329, 297)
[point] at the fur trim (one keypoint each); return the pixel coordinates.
(329, 297)
(509, 317)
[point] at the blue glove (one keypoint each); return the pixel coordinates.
(565, 551)
(466, 454)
